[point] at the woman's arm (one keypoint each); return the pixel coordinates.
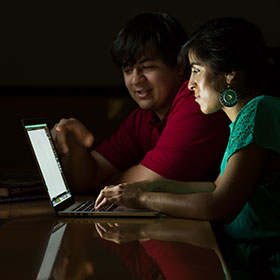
(227, 198)
(221, 200)
(130, 194)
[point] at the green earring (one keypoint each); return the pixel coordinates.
(228, 97)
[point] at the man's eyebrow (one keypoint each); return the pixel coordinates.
(148, 59)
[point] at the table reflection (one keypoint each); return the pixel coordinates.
(182, 249)
(47, 248)
(150, 249)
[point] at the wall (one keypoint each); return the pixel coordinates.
(101, 115)
(66, 42)
(55, 60)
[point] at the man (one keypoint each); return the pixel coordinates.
(167, 136)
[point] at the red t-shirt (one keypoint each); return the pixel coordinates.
(186, 145)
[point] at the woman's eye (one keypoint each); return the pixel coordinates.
(195, 70)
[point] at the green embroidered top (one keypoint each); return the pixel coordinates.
(258, 122)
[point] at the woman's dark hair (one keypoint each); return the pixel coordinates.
(230, 44)
(155, 34)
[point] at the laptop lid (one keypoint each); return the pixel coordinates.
(48, 162)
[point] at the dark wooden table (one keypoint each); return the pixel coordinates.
(35, 244)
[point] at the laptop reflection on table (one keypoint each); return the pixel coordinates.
(51, 252)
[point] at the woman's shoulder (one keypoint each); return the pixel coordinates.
(263, 106)
(267, 109)
(256, 120)
(269, 103)
(260, 122)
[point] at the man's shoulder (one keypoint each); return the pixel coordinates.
(184, 90)
(184, 94)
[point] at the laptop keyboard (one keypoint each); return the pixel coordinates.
(89, 207)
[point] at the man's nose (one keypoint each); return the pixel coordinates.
(137, 76)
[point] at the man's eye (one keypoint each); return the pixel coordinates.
(148, 66)
(127, 70)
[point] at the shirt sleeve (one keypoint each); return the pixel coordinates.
(267, 124)
(191, 145)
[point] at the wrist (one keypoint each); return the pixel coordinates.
(143, 199)
(143, 232)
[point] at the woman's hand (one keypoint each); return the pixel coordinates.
(119, 233)
(128, 195)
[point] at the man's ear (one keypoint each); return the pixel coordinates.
(230, 76)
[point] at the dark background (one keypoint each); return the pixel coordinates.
(66, 42)
(55, 60)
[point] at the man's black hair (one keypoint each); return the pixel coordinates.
(149, 34)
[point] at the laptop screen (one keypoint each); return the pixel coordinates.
(48, 162)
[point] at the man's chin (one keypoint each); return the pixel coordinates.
(145, 106)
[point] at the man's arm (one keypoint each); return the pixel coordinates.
(88, 170)
(84, 169)
(134, 174)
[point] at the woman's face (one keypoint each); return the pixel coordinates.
(201, 84)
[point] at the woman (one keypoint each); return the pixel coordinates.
(229, 64)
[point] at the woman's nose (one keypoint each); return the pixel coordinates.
(191, 84)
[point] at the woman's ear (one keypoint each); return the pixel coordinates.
(230, 76)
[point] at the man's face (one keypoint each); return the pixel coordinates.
(152, 84)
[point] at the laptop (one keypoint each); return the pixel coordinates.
(55, 182)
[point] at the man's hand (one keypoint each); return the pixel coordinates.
(69, 132)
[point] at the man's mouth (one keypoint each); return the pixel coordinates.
(142, 93)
